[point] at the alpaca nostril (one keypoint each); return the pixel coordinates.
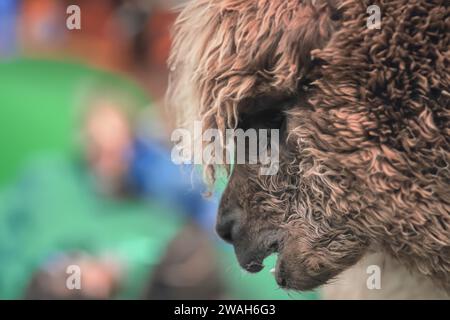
(225, 233)
(226, 224)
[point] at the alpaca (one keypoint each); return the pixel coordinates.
(363, 116)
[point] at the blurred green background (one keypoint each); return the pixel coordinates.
(71, 193)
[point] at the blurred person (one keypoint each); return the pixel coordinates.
(107, 142)
(93, 204)
(63, 203)
(129, 160)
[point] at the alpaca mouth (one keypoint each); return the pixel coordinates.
(255, 263)
(253, 260)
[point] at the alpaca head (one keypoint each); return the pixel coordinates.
(301, 67)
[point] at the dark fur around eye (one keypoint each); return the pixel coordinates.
(272, 114)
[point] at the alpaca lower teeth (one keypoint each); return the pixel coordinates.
(272, 271)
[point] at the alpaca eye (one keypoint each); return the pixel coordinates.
(266, 113)
(269, 119)
(273, 120)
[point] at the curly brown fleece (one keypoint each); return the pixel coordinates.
(365, 154)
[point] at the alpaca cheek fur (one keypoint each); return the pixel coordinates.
(307, 251)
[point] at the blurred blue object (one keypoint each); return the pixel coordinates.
(8, 27)
(154, 175)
